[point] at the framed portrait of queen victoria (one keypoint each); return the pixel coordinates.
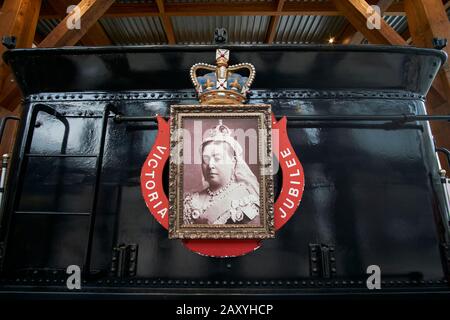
(220, 181)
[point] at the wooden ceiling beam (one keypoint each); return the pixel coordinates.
(17, 18)
(356, 13)
(220, 9)
(118, 10)
(167, 23)
(90, 12)
(95, 36)
(353, 36)
(273, 24)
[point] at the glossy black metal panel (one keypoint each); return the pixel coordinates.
(372, 191)
(143, 68)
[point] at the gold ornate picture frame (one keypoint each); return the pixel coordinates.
(241, 204)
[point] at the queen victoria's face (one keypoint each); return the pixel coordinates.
(218, 163)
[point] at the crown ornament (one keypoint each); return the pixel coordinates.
(221, 84)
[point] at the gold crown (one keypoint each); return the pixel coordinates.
(222, 85)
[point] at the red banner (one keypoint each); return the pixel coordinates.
(152, 175)
(293, 177)
(285, 206)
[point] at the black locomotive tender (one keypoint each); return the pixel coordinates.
(374, 193)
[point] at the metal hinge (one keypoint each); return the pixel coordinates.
(124, 260)
(322, 260)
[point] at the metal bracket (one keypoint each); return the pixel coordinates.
(124, 260)
(9, 42)
(439, 43)
(220, 36)
(322, 260)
